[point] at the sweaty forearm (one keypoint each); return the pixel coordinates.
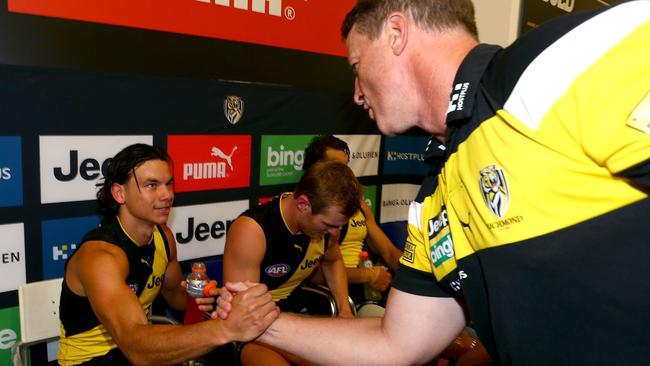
(362, 275)
(337, 282)
(171, 344)
(333, 341)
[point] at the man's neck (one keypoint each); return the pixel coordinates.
(437, 70)
(289, 209)
(139, 232)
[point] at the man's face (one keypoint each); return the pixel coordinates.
(149, 193)
(329, 221)
(380, 82)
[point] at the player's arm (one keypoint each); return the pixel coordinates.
(414, 330)
(98, 270)
(334, 272)
(172, 290)
(244, 251)
(378, 241)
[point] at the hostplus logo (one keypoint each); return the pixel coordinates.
(257, 6)
(210, 169)
(62, 252)
(458, 97)
(404, 156)
(61, 237)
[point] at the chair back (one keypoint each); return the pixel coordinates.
(38, 303)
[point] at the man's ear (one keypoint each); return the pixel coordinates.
(397, 26)
(304, 206)
(117, 190)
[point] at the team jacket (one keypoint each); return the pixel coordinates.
(83, 337)
(289, 258)
(536, 220)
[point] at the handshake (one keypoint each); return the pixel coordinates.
(243, 309)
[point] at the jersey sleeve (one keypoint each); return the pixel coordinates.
(613, 96)
(415, 273)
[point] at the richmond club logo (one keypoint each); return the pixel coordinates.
(494, 188)
(233, 108)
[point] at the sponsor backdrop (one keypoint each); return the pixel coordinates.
(233, 144)
(11, 177)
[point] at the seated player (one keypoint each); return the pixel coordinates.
(281, 242)
(361, 229)
(119, 268)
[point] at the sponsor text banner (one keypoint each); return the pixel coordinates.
(405, 155)
(9, 333)
(200, 230)
(311, 26)
(364, 153)
(12, 256)
(72, 165)
(395, 201)
(210, 162)
(11, 175)
(281, 158)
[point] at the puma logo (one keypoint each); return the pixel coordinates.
(228, 158)
(142, 260)
(298, 247)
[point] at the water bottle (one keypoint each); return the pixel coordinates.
(370, 293)
(198, 283)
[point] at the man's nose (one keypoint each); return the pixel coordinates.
(166, 192)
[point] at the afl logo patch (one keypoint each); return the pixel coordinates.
(277, 270)
(233, 108)
(494, 189)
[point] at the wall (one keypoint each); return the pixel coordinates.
(498, 21)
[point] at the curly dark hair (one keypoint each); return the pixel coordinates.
(119, 170)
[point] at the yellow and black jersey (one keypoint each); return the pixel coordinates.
(83, 338)
(537, 217)
(289, 258)
(353, 236)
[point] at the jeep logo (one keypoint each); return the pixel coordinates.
(89, 169)
(203, 231)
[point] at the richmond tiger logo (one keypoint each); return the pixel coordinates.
(233, 108)
(494, 188)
